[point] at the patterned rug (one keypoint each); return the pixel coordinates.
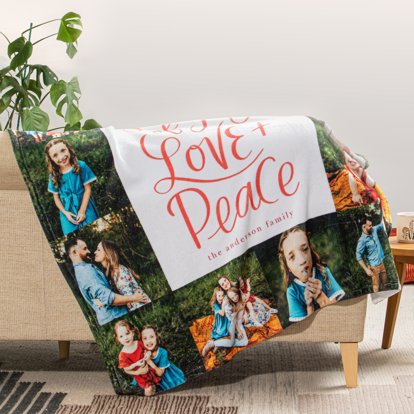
(269, 378)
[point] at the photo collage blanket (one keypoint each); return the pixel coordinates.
(185, 243)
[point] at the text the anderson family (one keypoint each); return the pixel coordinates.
(251, 233)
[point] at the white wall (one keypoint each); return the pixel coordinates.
(146, 62)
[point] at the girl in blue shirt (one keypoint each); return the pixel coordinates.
(221, 323)
(70, 183)
(310, 283)
(234, 305)
(158, 359)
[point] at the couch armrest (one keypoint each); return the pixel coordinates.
(341, 322)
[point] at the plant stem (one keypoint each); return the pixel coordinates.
(9, 121)
(5, 36)
(54, 129)
(24, 72)
(38, 25)
(37, 41)
(44, 98)
(25, 63)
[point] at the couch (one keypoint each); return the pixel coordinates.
(37, 305)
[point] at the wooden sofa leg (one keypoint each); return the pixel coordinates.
(392, 308)
(349, 352)
(64, 347)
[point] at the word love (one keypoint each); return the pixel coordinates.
(196, 154)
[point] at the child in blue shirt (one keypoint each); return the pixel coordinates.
(310, 284)
(157, 358)
(70, 183)
(221, 323)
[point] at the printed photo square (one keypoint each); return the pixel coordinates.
(111, 267)
(305, 268)
(150, 351)
(71, 178)
(367, 251)
(229, 309)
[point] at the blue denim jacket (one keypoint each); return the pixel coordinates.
(93, 284)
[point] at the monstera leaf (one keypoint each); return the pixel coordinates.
(41, 72)
(11, 88)
(19, 51)
(69, 31)
(91, 124)
(67, 94)
(34, 119)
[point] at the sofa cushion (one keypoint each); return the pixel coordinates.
(10, 177)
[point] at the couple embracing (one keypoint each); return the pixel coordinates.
(234, 309)
(111, 291)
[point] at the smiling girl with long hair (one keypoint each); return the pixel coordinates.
(70, 183)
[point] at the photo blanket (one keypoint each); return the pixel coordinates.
(184, 243)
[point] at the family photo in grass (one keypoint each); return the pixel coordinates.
(229, 309)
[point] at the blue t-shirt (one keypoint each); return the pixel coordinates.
(296, 294)
(93, 284)
(173, 376)
(370, 246)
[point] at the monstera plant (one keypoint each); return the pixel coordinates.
(24, 86)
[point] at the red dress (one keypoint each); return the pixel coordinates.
(126, 359)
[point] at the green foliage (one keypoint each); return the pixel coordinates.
(69, 31)
(67, 94)
(33, 118)
(25, 86)
(19, 51)
(48, 76)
